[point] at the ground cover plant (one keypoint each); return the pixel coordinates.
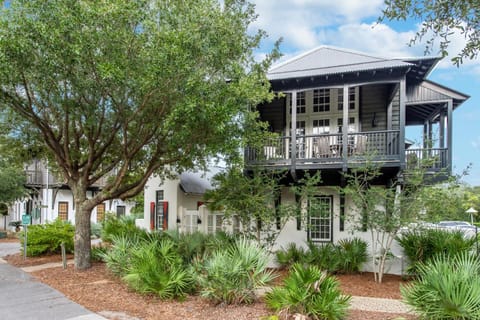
(308, 291)
(347, 256)
(47, 238)
(448, 287)
(231, 275)
(421, 245)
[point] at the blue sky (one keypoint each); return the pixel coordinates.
(352, 24)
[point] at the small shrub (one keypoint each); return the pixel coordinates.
(422, 245)
(98, 253)
(292, 254)
(325, 256)
(117, 258)
(448, 287)
(156, 267)
(125, 225)
(96, 230)
(353, 254)
(47, 238)
(311, 292)
(232, 274)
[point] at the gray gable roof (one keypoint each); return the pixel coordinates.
(326, 60)
(197, 183)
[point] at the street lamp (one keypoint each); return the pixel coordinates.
(472, 211)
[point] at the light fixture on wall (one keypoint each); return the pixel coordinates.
(199, 221)
(178, 220)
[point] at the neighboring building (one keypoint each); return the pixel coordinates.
(50, 198)
(337, 107)
(178, 204)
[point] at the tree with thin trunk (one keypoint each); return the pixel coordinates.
(119, 90)
(382, 210)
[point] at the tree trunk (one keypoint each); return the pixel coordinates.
(82, 243)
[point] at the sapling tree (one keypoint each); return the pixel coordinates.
(381, 210)
(124, 89)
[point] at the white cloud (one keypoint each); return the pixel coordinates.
(476, 143)
(300, 22)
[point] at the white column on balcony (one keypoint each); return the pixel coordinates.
(449, 133)
(401, 145)
(293, 132)
(442, 129)
(345, 126)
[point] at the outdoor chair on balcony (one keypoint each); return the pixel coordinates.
(361, 144)
(321, 147)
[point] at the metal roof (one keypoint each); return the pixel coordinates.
(327, 60)
(197, 183)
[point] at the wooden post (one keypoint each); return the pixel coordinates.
(64, 256)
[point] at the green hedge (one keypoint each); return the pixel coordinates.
(47, 238)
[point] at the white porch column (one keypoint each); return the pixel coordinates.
(346, 104)
(403, 99)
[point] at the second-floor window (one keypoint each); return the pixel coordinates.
(321, 126)
(321, 100)
(351, 98)
(301, 102)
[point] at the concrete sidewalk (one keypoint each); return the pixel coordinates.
(23, 297)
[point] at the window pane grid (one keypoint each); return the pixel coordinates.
(321, 100)
(100, 212)
(63, 210)
(320, 219)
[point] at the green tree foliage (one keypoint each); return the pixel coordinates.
(440, 20)
(447, 288)
(310, 292)
(12, 182)
(131, 87)
(382, 210)
(251, 198)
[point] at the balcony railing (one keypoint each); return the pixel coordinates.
(429, 159)
(38, 178)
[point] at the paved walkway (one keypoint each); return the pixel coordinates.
(23, 297)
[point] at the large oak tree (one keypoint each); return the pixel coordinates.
(127, 88)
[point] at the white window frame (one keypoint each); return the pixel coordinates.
(320, 224)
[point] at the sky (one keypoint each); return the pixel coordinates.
(352, 24)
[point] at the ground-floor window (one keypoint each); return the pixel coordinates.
(120, 211)
(190, 221)
(63, 210)
(320, 216)
(214, 223)
(101, 212)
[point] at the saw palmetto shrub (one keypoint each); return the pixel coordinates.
(421, 245)
(289, 255)
(47, 238)
(310, 292)
(231, 275)
(156, 267)
(447, 287)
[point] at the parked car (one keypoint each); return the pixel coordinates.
(466, 227)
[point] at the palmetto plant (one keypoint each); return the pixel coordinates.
(290, 255)
(232, 275)
(448, 287)
(309, 291)
(117, 257)
(422, 245)
(156, 267)
(353, 254)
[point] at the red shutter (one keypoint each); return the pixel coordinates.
(165, 215)
(152, 215)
